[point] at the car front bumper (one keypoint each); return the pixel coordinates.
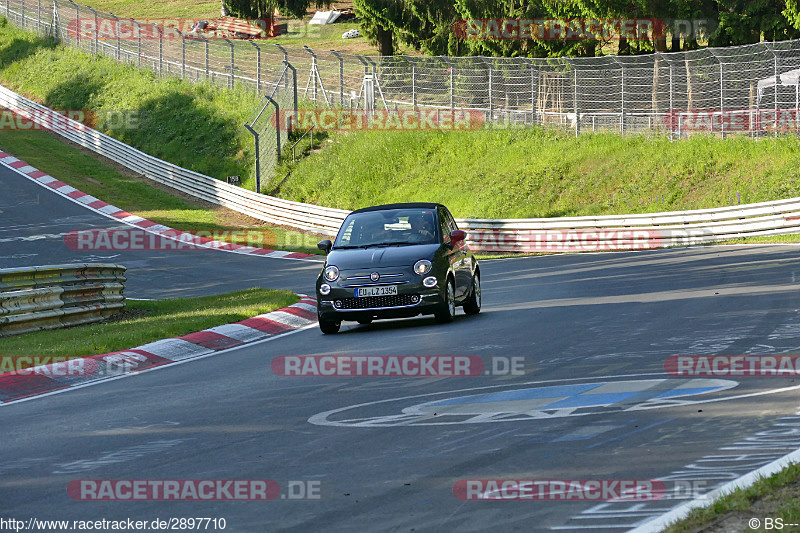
(411, 300)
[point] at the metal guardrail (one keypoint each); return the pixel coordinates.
(615, 232)
(667, 229)
(55, 296)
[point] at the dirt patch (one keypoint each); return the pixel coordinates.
(126, 314)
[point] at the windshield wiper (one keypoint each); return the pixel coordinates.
(392, 244)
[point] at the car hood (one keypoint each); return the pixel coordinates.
(381, 256)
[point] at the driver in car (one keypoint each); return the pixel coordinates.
(421, 227)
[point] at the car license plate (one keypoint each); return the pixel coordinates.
(386, 290)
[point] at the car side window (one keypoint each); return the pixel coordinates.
(444, 226)
(451, 221)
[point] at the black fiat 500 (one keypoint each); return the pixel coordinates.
(396, 261)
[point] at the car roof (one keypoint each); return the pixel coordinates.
(412, 205)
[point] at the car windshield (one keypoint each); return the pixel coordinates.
(390, 227)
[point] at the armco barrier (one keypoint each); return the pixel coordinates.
(53, 296)
(563, 234)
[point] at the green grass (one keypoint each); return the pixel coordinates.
(537, 172)
(194, 125)
(173, 9)
(163, 319)
(775, 497)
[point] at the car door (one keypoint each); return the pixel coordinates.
(460, 259)
(450, 255)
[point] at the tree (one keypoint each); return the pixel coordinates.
(266, 8)
(746, 22)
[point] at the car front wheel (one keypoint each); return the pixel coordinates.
(329, 327)
(473, 304)
(448, 309)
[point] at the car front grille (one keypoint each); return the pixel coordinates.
(372, 302)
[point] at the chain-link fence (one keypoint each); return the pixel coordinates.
(270, 123)
(748, 90)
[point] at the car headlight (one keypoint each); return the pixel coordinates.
(331, 273)
(422, 267)
(324, 289)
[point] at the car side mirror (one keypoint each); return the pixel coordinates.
(457, 237)
(325, 245)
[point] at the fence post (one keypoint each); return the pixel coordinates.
(254, 133)
(721, 98)
(233, 65)
(452, 88)
(575, 97)
(285, 60)
(138, 41)
(621, 94)
(413, 81)
(671, 106)
(313, 74)
(489, 64)
(258, 66)
(376, 82)
(533, 90)
(341, 77)
(77, 20)
(183, 53)
(23, 14)
(294, 84)
(257, 141)
(207, 53)
(490, 90)
(777, 77)
(160, 49)
(96, 28)
(116, 26)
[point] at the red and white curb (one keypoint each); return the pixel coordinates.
(43, 379)
(115, 213)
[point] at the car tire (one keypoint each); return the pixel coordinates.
(472, 306)
(448, 310)
(330, 327)
(365, 321)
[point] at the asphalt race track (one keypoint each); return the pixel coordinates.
(34, 221)
(593, 402)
